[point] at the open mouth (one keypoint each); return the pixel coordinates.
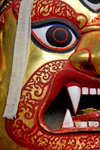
(70, 110)
(73, 106)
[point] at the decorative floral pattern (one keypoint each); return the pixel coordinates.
(32, 97)
(49, 9)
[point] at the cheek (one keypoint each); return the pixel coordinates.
(38, 57)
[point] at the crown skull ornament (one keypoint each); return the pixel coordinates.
(60, 96)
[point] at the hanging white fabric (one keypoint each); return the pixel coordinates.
(20, 58)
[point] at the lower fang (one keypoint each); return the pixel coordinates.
(68, 122)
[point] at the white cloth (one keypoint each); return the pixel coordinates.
(20, 58)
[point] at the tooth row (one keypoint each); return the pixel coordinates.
(68, 122)
(84, 124)
(91, 91)
(87, 124)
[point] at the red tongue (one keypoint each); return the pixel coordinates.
(95, 116)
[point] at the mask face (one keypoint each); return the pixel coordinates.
(59, 102)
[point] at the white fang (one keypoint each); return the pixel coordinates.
(74, 93)
(68, 122)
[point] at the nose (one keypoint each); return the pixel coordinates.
(87, 55)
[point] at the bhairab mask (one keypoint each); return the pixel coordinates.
(59, 102)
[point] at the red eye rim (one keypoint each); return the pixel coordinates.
(59, 40)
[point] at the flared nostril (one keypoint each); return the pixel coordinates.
(87, 62)
(88, 68)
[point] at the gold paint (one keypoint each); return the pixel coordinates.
(92, 124)
(47, 12)
(1, 1)
(71, 141)
(57, 10)
(80, 8)
(59, 14)
(89, 110)
(78, 58)
(28, 123)
(39, 133)
(43, 140)
(78, 124)
(3, 59)
(68, 14)
(38, 57)
(8, 36)
(82, 20)
(80, 142)
(7, 4)
(60, 4)
(91, 28)
(47, 2)
(93, 44)
(39, 91)
(33, 11)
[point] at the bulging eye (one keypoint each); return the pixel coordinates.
(93, 5)
(55, 37)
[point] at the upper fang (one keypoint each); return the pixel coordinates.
(74, 93)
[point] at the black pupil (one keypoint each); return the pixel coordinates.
(94, 1)
(59, 36)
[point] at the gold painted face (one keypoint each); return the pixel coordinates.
(38, 56)
(83, 57)
(81, 54)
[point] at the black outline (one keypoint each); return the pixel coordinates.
(89, 7)
(97, 1)
(50, 39)
(55, 21)
(3, 4)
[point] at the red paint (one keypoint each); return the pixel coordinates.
(51, 7)
(24, 135)
(51, 47)
(96, 19)
(2, 21)
(39, 136)
(58, 40)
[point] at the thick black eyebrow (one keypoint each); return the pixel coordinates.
(55, 21)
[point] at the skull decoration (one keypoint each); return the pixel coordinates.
(59, 102)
